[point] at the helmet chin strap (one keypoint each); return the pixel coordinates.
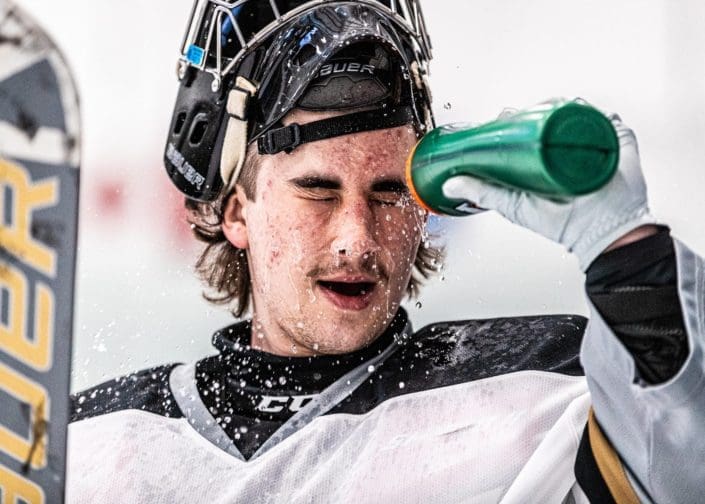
(235, 142)
(287, 138)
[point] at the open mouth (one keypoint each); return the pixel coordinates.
(348, 295)
(348, 288)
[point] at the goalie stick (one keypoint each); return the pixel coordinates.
(39, 176)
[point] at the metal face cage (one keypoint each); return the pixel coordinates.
(220, 33)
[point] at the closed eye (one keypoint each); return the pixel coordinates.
(323, 199)
(391, 191)
(317, 194)
(387, 199)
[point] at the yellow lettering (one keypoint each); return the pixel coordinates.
(14, 487)
(32, 448)
(27, 197)
(36, 353)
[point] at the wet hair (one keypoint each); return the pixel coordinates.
(224, 268)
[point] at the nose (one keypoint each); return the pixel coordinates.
(354, 232)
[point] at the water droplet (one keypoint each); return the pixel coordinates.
(418, 304)
(370, 369)
(388, 217)
(447, 106)
(282, 380)
(401, 384)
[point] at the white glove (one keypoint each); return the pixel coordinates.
(585, 225)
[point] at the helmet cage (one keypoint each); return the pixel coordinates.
(217, 40)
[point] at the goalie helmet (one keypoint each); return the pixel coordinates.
(245, 64)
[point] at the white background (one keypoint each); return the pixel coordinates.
(138, 303)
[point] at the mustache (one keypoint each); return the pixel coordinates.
(368, 267)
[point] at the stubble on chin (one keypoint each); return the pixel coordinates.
(334, 335)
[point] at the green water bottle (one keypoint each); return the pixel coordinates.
(557, 149)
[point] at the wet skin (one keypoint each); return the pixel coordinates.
(331, 236)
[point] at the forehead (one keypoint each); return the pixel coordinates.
(367, 155)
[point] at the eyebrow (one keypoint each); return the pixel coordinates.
(315, 182)
(394, 185)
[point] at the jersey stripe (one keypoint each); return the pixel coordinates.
(610, 465)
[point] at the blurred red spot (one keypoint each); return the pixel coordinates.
(110, 197)
(174, 216)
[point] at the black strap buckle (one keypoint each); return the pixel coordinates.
(276, 140)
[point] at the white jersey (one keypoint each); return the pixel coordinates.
(498, 439)
(498, 416)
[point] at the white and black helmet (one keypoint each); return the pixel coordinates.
(245, 64)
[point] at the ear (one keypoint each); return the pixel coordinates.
(234, 218)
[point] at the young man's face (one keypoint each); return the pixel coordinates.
(331, 238)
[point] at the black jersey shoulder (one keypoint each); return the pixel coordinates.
(490, 347)
(450, 353)
(146, 390)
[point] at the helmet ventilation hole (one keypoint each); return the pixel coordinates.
(197, 132)
(179, 123)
